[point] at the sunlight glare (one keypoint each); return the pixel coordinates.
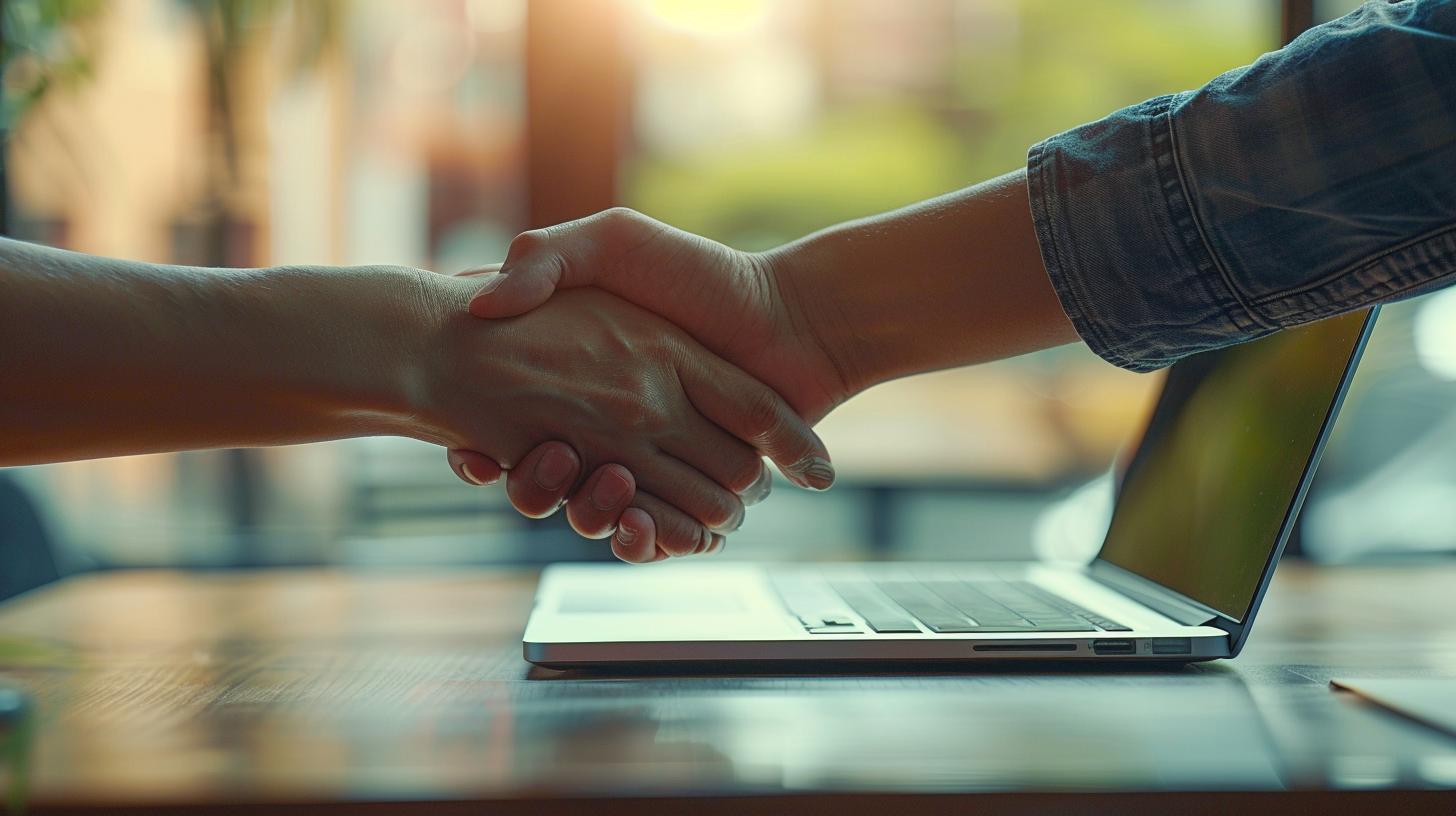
(709, 18)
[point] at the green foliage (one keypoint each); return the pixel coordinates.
(1066, 63)
(227, 24)
(45, 46)
(43, 49)
(852, 164)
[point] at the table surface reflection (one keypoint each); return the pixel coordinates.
(309, 690)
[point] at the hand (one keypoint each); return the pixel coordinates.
(538, 487)
(953, 281)
(735, 303)
(539, 484)
(595, 365)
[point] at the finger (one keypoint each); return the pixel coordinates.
(636, 538)
(761, 487)
(488, 269)
(475, 468)
(540, 483)
(754, 413)
(594, 508)
(678, 534)
(532, 270)
(687, 489)
(718, 454)
(577, 253)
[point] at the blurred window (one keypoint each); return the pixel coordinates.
(758, 122)
(342, 132)
(369, 132)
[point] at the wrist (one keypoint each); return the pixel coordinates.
(427, 365)
(815, 287)
(949, 282)
(359, 343)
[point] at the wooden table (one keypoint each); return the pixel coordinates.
(323, 692)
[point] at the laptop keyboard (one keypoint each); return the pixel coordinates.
(946, 606)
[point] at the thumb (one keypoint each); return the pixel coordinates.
(511, 293)
(518, 288)
(576, 253)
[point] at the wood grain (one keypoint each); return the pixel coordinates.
(310, 690)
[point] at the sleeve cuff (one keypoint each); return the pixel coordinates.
(1122, 245)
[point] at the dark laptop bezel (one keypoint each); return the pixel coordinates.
(1190, 612)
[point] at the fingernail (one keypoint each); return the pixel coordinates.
(759, 490)
(626, 534)
(738, 522)
(609, 492)
(818, 474)
(470, 475)
(554, 469)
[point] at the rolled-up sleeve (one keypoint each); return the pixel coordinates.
(1320, 179)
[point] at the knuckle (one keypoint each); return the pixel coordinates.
(528, 242)
(763, 418)
(621, 217)
(638, 413)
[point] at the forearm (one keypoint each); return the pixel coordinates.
(102, 357)
(953, 281)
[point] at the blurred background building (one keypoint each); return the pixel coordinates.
(259, 132)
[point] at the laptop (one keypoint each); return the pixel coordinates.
(1202, 512)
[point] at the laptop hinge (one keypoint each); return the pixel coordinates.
(1151, 595)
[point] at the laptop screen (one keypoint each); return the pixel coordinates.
(1205, 499)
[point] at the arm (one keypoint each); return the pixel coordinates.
(104, 357)
(948, 282)
(1318, 180)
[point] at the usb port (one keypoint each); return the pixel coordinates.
(1172, 646)
(1114, 647)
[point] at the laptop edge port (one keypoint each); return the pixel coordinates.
(1172, 646)
(1114, 647)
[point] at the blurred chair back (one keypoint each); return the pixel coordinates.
(26, 557)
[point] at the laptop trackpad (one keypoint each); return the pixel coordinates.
(652, 603)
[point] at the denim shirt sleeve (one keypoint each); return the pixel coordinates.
(1318, 180)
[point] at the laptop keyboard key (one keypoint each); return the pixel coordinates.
(948, 606)
(1070, 608)
(976, 605)
(877, 611)
(925, 605)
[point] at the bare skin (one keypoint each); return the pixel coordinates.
(949, 282)
(103, 357)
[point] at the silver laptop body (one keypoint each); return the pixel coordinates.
(1203, 510)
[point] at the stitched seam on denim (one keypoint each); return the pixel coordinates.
(1357, 268)
(1250, 320)
(1063, 280)
(1173, 229)
(1389, 288)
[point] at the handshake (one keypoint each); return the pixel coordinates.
(668, 366)
(659, 365)
(635, 372)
